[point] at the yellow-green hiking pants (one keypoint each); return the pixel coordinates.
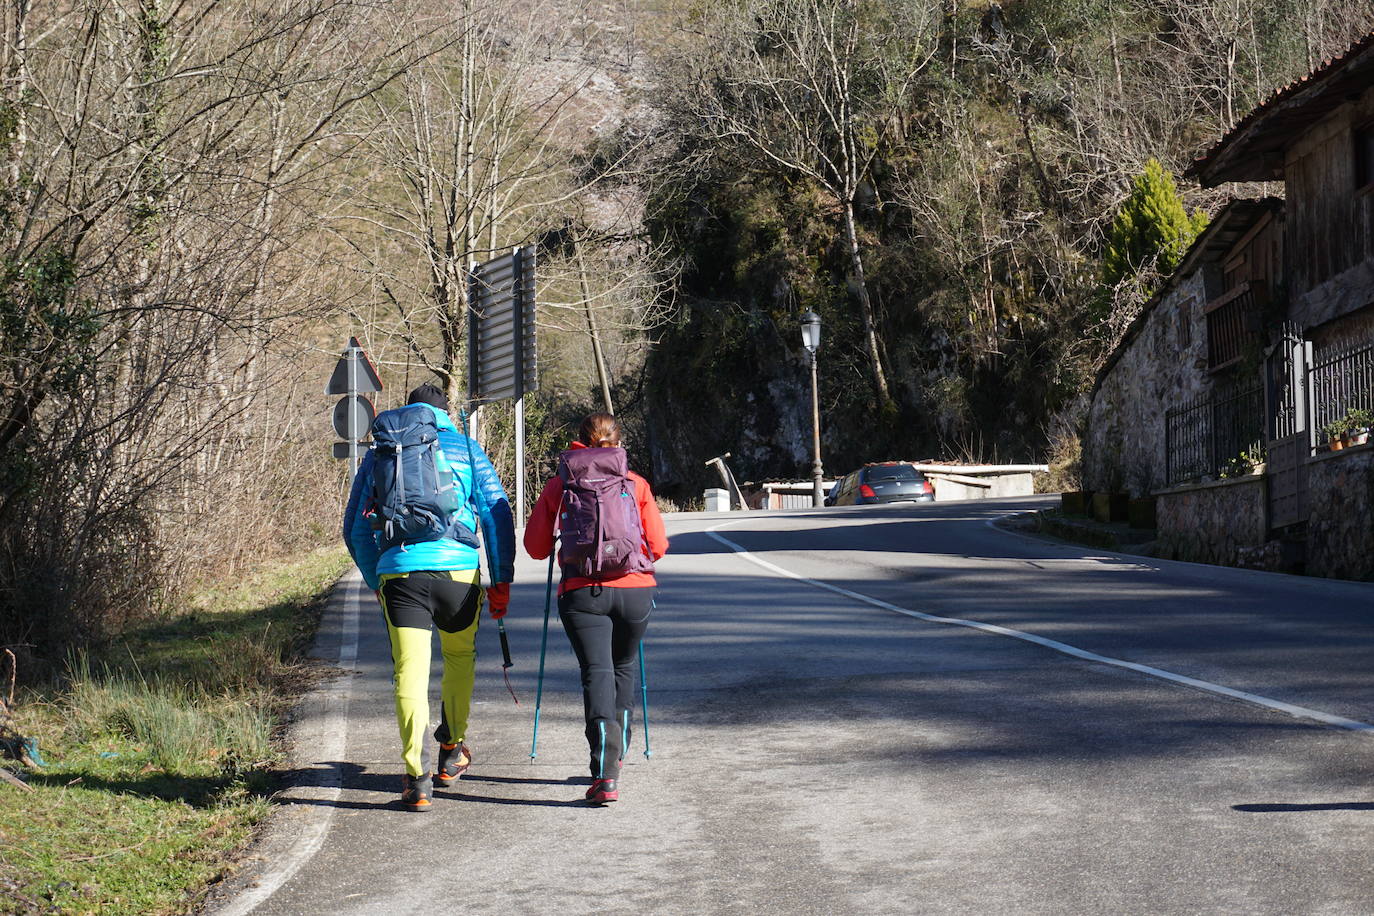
(414, 603)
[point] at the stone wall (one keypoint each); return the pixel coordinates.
(1162, 362)
(1340, 527)
(1221, 522)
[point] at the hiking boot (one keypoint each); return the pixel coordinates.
(602, 792)
(416, 792)
(454, 760)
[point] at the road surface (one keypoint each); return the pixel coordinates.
(895, 710)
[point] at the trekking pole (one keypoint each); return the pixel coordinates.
(644, 697)
(506, 663)
(543, 645)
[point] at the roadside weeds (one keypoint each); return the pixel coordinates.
(156, 759)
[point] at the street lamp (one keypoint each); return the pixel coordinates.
(811, 339)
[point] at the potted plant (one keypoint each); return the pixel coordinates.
(1358, 422)
(1239, 466)
(1334, 431)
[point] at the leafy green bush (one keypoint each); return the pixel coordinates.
(1151, 229)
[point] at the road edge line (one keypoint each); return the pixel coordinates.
(1300, 712)
(325, 732)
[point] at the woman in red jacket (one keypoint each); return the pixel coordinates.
(604, 597)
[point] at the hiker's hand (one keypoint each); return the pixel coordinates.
(498, 599)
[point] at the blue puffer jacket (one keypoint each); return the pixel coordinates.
(486, 504)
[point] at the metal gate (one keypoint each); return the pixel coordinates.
(1287, 427)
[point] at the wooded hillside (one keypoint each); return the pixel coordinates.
(983, 150)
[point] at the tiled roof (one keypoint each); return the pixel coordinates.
(1252, 150)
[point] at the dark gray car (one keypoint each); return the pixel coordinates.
(889, 482)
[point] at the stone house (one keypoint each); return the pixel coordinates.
(1215, 403)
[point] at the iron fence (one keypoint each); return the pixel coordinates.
(1212, 434)
(1228, 429)
(1341, 381)
(1284, 369)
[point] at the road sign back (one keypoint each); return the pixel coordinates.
(364, 376)
(502, 362)
(362, 415)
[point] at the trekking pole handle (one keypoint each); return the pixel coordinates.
(505, 644)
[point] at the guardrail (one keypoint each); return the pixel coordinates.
(952, 482)
(981, 481)
(791, 494)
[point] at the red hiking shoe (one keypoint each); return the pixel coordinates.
(603, 792)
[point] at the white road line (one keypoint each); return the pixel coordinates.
(1300, 712)
(327, 739)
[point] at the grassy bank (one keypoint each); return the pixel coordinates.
(159, 754)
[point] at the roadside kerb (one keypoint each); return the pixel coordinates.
(317, 737)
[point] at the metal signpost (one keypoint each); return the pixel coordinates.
(353, 377)
(502, 359)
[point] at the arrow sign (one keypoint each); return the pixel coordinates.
(364, 376)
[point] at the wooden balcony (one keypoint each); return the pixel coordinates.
(1234, 320)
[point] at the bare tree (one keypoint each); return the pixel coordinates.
(473, 153)
(606, 291)
(166, 167)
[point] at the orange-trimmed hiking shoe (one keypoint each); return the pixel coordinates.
(416, 792)
(454, 760)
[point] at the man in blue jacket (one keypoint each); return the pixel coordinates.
(436, 583)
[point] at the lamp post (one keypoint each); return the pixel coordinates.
(811, 339)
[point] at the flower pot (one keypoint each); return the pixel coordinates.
(1359, 437)
(1337, 444)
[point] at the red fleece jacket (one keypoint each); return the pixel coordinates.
(539, 532)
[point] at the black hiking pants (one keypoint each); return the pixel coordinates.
(605, 626)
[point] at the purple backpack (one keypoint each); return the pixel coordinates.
(600, 534)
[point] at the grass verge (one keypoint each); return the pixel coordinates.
(159, 755)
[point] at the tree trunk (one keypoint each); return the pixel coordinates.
(457, 315)
(16, 88)
(856, 267)
(597, 355)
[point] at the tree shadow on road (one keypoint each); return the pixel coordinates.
(350, 776)
(578, 802)
(354, 777)
(528, 780)
(1315, 806)
(392, 803)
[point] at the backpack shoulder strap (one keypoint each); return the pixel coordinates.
(472, 465)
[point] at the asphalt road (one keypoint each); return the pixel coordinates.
(816, 748)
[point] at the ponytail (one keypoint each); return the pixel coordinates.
(599, 430)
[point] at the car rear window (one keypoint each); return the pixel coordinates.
(892, 472)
